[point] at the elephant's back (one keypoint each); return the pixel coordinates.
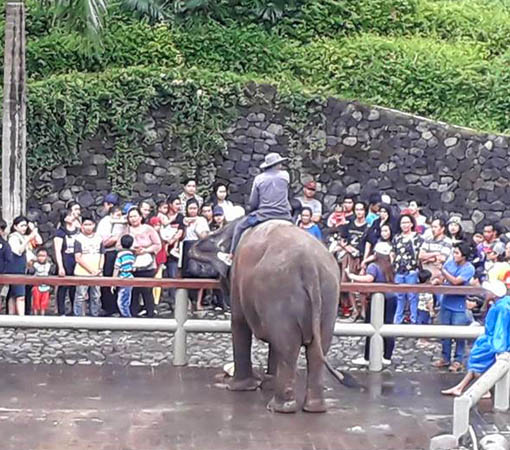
(277, 266)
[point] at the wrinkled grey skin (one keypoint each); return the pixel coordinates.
(284, 288)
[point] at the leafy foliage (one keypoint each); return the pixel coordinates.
(88, 16)
(66, 110)
(442, 59)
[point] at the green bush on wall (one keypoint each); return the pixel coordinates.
(67, 109)
(442, 59)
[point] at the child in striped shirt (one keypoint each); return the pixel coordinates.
(124, 269)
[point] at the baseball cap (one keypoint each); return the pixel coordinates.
(312, 185)
(127, 207)
(383, 248)
(455, 219)
(496, 287)
(112, 198)
(218, 211)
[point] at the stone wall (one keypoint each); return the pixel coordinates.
(347, 147)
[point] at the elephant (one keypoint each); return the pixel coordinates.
(284, 289)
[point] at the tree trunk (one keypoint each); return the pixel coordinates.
(14, 130)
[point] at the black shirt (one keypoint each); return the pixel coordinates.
(356, 235)
(5, 255)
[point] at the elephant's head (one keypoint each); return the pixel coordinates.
(205, 250)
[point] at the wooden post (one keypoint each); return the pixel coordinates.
(14, 129)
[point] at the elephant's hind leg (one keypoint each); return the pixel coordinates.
(314, 400)
(284, 400)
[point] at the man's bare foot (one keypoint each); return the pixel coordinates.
(487, 395)
(455, 391)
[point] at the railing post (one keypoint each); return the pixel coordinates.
(376, 341)
(461, 408)
(181, 314)
(502, 388)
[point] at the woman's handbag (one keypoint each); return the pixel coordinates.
(145, 261)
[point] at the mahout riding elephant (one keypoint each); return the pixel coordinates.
(284, 289)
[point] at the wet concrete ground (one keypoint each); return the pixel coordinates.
(109, 407)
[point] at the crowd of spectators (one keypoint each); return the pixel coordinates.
(373, 241)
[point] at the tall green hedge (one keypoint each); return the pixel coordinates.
(448, 60)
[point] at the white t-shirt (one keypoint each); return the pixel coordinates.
(314, 204)
(229, 210)
(106, 229)
(16, 241)
(198, 226)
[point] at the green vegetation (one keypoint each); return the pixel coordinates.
(444, 59)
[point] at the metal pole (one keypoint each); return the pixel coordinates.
(432, 331)
(376, 341)
(14, 123)
(502, 389)
(88, 323)
(461, 408)
(181, 314)
(353, 329)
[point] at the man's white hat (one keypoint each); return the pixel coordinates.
(495, 287)
(272, 159)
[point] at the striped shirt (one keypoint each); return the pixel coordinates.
(124, 263)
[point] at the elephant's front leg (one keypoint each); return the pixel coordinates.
(244, 378)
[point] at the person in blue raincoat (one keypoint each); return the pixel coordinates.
(495, 340)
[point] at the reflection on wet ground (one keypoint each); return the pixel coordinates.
(110, 407)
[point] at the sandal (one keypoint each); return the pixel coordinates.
(439, 364)
(456, 367)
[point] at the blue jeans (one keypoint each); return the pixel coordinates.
(240, 227)
(171, 271)
(423, 317)
(124, 300)
(448, 317)
(94, 300)
(389, 314)
(406, 278)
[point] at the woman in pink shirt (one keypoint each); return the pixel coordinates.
(146, 245)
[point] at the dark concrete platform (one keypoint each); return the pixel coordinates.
(109, 407)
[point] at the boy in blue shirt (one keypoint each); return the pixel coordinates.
(457, 271)
(123, 268)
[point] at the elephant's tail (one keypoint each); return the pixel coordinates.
(315, 298)
(344, 377)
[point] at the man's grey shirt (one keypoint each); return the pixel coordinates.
(269, 197)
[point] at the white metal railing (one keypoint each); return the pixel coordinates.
(376, 330)
(181, 326)
(498, 376)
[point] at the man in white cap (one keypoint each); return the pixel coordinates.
(495, 340)
(269, 199)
